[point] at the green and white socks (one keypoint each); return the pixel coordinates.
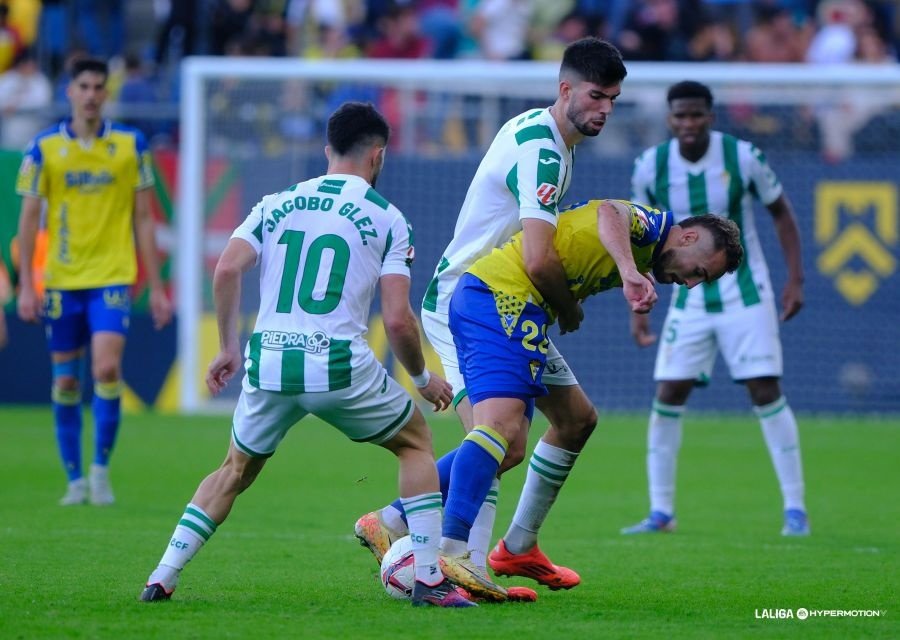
(193, 530)
(779, 427)
(663, 443)
(548, 469)
(423, 514)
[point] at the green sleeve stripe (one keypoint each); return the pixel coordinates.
(534, 132)
(512, 181)
(387, 244)
(257, 232)
(377, 199)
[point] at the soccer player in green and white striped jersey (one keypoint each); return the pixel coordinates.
(323, 246)
(701, 170)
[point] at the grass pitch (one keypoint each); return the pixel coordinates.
(286, 565)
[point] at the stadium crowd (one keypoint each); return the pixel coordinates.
(145, 41)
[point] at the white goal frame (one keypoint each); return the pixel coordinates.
(772, 84)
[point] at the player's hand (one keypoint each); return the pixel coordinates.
(29, 305)
(570, 320)
(438, 392)
(160, 307)
(639, 292)
(791, 300)
(640, 330)
(222, 369)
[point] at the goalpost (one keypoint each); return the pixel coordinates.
(254, 126)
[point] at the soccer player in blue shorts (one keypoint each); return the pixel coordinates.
(499, 322)
(95, 177)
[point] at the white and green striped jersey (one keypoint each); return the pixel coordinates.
(524, 174)
(724, 181)
(322, 246)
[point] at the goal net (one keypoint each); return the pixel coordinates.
(250, 127)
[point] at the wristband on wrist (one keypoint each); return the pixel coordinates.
(422, 379)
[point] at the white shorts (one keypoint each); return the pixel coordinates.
(437, 329)
(747, 337)
(371, 410)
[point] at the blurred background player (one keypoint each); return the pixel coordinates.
(701, 170)
(307, 354)
(518, 185)
(499, 321)
(95, 177)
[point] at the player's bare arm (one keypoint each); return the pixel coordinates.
(403, 335)
(789, 237)
(545, 270)
(145, 233)
(29, 303)
(237, 258)
(614, 229)
(640, 330)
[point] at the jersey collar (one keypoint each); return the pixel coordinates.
(65, 127)
(665, 225)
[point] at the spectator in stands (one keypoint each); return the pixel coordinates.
(230, 22)
(101, 26)
(659, 30)
(714, 41)
(54, 35)
(501, 28)
(10, 40)
(24, 91)
(835, 41)
(776, 36)
(840, 120)
(441, 24)
(179, 34)
(399, 35)
(268, 23)
(141, 91)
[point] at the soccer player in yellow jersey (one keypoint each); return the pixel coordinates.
(95, 177)
(499, 321)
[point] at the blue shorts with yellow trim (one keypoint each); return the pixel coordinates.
(71, 317)
(500, 356)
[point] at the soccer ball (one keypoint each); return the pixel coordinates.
(398, 570)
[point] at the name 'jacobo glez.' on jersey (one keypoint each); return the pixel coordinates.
(348, 210)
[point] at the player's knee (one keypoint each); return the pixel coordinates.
(515, 454)
(106, 372)
(763, 391)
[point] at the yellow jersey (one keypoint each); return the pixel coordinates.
(89, 189)
(589, 267)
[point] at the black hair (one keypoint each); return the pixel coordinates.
(356, 125)
(593, 60)
(94, 65)
(726, 237)
(690, 89)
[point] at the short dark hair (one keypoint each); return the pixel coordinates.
(726, 236)
(94, 65)
(356, 125)
(690, 89)
(593, 60)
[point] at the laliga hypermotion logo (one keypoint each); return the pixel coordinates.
(852, 255)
